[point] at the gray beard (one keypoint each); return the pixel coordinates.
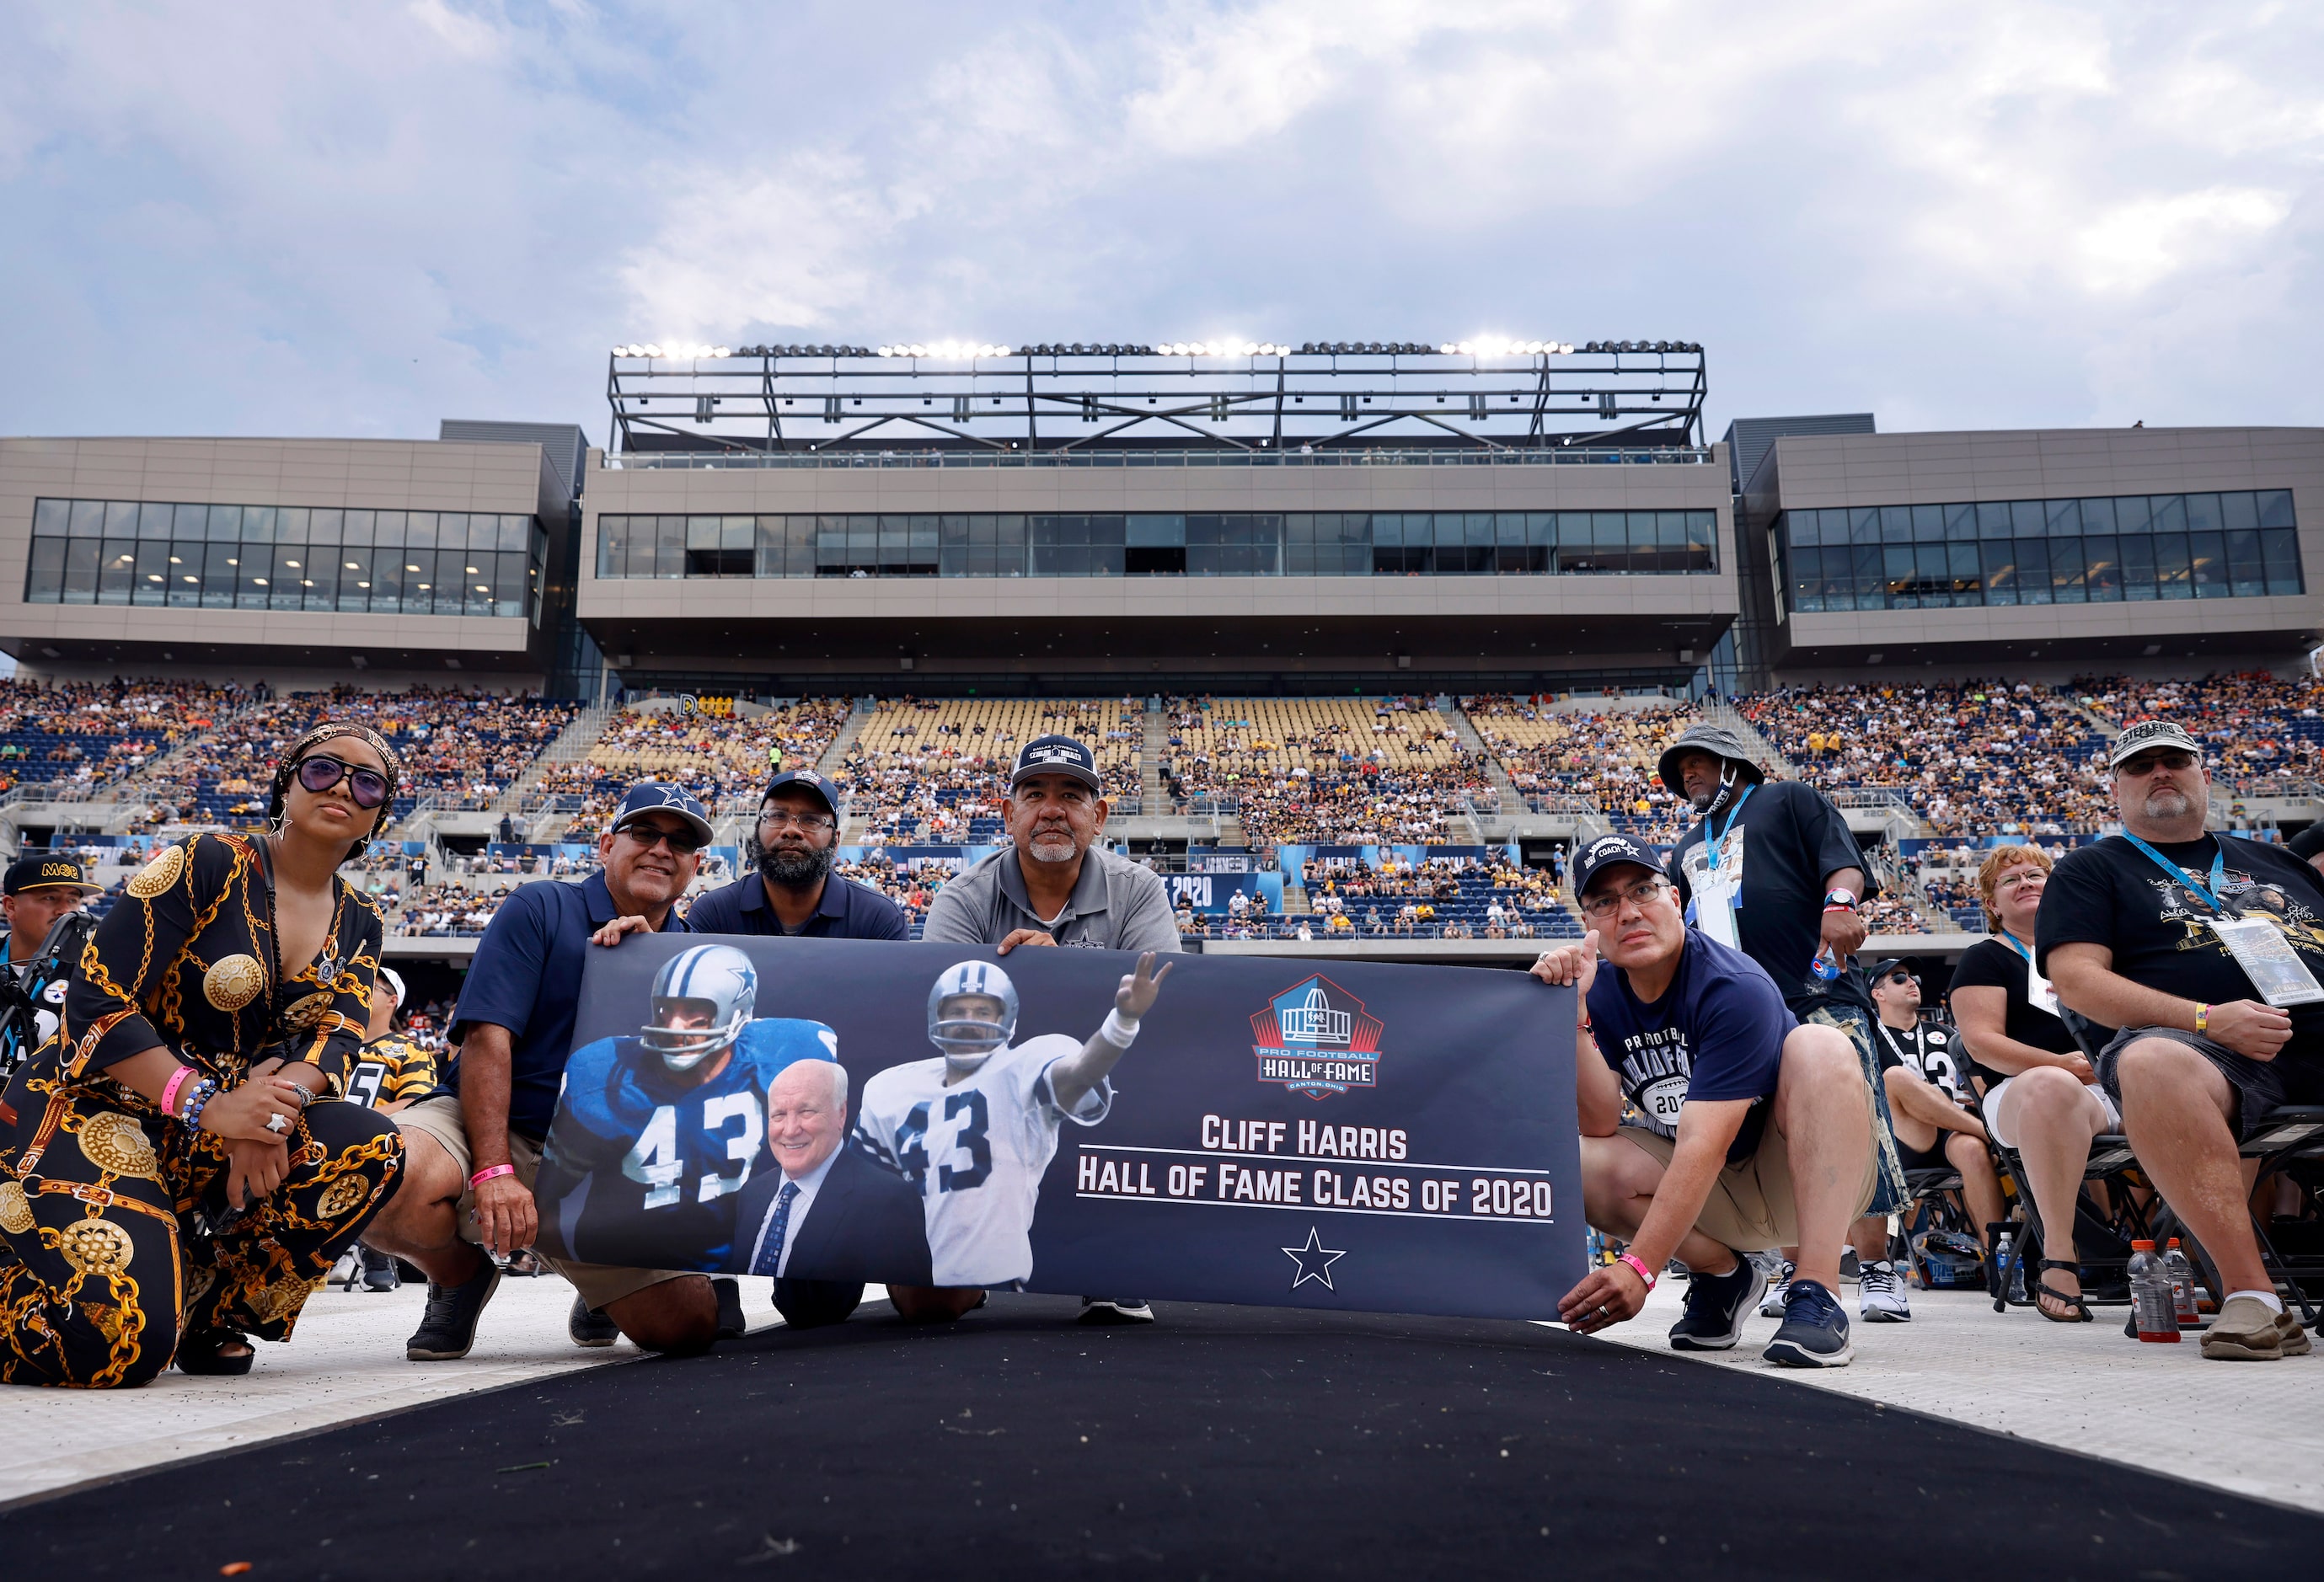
(801, 871)
(1055, 852)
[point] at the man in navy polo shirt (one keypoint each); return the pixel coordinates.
(470, 1152)
(791, 890)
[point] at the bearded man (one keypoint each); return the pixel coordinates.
(791, 889)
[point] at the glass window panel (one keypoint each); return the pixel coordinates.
(1870, 594)
(2137, 566)
(120, 518)
(2000, 557)
(2170, 512)
(1968, 581)
(1863, 525)
(81, 558)
(87, 519)
(2207, 554)
(286, 585)
(291, 525)
(2247, 572)
(1804, 572)
(44, 579)
(419, 529)
(2027, 520)
(254, 576)
(2239, 513)
(1895, 524)
(221, 574)
(361, 528)
(2064, 518)
(1932, 575)
(1896, 577)
(1510, 526)
(2068, 573)
(1960, 522)
(387, 576)
(152, 574)
(116, 571)
(1928, 523)
(50, 516)
(185, 573)
(2103, 556)
(318, 576)
(258, 524)
(452, 530)
(222, 523)
(2202, 513)
(737, 532)
(1610, 529)
(1670, 529)
(2280, 546)
(508, 582)
(356, 563)
(702, 532)
(1993, 520)
(154, 521)
(2275, 508)
(612, 547)
(2170, 574)
(1801, 529)
(449, 582)
(1642, 538)
(1479, 526)
(670, 547)
(2134, 513)
(2033, 572)
(2098, 516)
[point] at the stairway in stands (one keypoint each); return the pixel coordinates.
(1512, 801)
(834, 756)
(1151, 751)
(572, 744)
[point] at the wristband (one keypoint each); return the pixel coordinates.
(203, 1091)
(183, 1075)
(489, 1173)
(2202, 1018)
(1118, 1029)
(1637, 1267)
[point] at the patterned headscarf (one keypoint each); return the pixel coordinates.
(287, 764)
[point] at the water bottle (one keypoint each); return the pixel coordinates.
(2017, 1275)
(2151, 1305)
(2182, 1285)
(1826, 966)
(2002, 1251)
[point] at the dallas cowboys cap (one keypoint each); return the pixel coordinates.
(652, 796)
(2140, 735)
(807, 780)
(1055, 755)
(1608, 851)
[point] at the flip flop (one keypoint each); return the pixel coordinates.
(2042, 1288)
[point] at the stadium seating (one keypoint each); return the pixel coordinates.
(924, 770)
(1324, 771)
(1607, 756)
(715, 756)
(91, 734)
(2265, 734)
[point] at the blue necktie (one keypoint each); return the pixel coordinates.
(770, 1255)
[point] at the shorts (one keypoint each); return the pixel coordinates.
(598, 1283)
(1751, 1208)
(2259, 1085)
(1994, 1108)
(1913, 1158)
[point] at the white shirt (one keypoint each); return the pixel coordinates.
(801, 1201)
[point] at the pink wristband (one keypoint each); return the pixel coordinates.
(169, 1094)
(489, 1173)
(1637, 1267)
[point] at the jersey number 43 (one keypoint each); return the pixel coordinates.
(972, 1138)
(657, 1164)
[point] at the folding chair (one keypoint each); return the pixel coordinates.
(2290, 1141)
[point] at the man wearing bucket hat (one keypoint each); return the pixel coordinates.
(1771, 869)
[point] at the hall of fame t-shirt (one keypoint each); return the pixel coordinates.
(1717, 1032)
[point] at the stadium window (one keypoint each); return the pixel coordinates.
(2172, 577)
(2280, 549)
(2104, 556)
(2207, 553)
(2138, 567)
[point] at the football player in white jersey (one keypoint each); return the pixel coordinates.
(974, 1129)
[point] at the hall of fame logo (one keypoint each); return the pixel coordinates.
(1315, 1038)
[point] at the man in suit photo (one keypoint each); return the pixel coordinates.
(829, 1217)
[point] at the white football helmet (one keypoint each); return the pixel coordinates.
(716, 978)
(968, 1042)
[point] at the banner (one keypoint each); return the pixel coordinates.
(1369, 1137)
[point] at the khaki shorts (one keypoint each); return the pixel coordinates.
(1751, 1208)
(598, 1283)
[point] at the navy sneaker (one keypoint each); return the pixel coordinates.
(1814, 1332)
(1716, 1306)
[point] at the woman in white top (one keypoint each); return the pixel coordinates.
(2041, 1096)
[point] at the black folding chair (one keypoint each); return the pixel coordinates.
(2290, 1142)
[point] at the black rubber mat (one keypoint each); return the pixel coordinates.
(1220, 1443)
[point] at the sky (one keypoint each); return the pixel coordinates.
(354, 220)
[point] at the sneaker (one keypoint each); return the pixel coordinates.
(1715, 1306)
(1771, 1306)
(1815, 1329)
(2248, 1330)
(1115, 1309)
(1851, 1266)
(379, 1271)
(1881, 1296)
(590, 1327)
(732, 1324)
(449, 1328)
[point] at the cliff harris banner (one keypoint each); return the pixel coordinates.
(1344, 1134)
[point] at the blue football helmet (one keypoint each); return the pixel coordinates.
(718, 980)
(968, 1042)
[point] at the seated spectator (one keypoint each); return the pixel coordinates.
(2042, 1098)
(1930, 1100)
(2136, 931)
(1752, 1131)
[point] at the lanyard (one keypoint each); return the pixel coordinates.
(1712, 837)
(2218, 872)
(2012, 942)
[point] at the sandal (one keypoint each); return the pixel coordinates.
(202, 1351)
(2042, 1288)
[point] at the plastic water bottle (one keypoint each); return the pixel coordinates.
(2182, 1285)
(2002, 1251)
(2151, 1304)
(2017, 1275)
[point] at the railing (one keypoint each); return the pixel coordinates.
(1572, 455)
(1566, 803)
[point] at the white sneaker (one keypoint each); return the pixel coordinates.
(1771, 1306)
(1882, 1299)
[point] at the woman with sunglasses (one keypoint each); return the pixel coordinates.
(178, 1166)
(2042, 1098)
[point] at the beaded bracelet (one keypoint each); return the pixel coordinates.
(204, 1091)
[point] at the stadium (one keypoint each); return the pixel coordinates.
(1367, 638)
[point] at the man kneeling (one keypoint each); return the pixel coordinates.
(1752, 1131)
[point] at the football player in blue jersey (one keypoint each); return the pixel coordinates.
(656, 1132)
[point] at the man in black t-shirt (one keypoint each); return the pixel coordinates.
(2157, 932)
(1923, 1065)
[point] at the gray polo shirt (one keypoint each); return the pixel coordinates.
(1117, 905)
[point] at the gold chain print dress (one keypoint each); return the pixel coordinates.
(116, 1217)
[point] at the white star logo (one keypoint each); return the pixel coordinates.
(1314, 1261)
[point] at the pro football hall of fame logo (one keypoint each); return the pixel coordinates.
(1315, 1038)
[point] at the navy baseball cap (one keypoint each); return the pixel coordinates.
(46, 873)
(1607, 851)
(1055, 755)
(652, 796)
(806, 779)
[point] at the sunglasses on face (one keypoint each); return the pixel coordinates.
(681, 842)
(321, 771)
(2144, 763)
(1901, 976)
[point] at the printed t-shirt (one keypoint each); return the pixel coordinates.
(1783, 841)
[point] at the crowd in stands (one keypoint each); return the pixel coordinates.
(1600, 753)
(930, 771)
(93, 733)
(717, 752)
(2264, 733)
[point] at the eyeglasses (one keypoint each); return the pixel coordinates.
(776, 818)
(1599, 907)
(681, 842)
(2020, 876)
(1900, 976)
(2175, 759)
(319, 772)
